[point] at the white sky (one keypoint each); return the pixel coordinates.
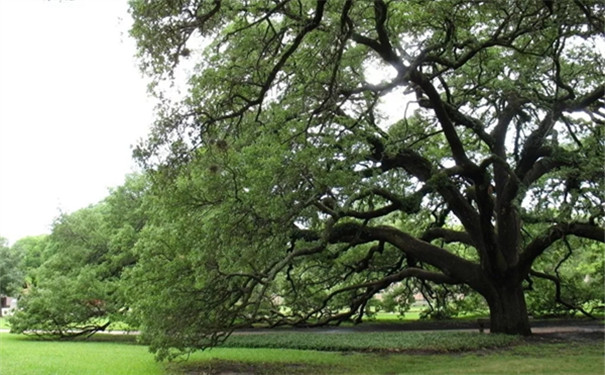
(72, 103)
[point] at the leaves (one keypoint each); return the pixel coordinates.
(285, 194)
(78, 288)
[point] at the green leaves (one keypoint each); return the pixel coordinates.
(77, 287)
(11, 269)
(282, 141)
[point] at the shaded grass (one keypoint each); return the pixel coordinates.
(434, 342)
(344, 353)
(547, 358)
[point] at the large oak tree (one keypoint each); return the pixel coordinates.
(326, 150)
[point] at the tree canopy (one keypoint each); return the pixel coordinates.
(74, 276)
(327, 150)
(11, 273)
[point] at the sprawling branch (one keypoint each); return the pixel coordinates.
(470, 123)
(558, 298)
(366, 291)
(384, 48)
(585, 101)
(534, 146)
(447, 235)
(458, 269)
(410, 204)
(438, 106)
(547, 164)
(556, 232)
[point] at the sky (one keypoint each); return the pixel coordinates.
(72, 105)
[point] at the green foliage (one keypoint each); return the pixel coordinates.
(396, 300)
(436, 342)
(288, 190)
(32, 249)
(579, 267)
(77, 287)
(11, 270)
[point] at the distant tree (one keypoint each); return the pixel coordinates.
(329, 149)
(11, 269)
(78, 287)
(32, 250)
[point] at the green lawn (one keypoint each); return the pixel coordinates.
(547, 359)
(354, 354)
(390, 342)
(22, 356)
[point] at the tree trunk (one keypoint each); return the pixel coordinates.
(508, 312)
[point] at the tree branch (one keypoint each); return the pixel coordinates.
(558, 297)
(547, 164)
(458, 152)
(447, 235)
(585, 101)
(421, 168)
(470, 123)
(410, 204)
(533, 148)
(557, 231)
(449, 264)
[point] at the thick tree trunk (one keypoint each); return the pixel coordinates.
(508, 311)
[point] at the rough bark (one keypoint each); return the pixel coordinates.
(508, 311)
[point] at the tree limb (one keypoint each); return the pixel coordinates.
(557, 231)
(449, 264)
(447, 235)
(585, 101)
(558, 297)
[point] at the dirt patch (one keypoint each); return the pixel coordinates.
(567, 336)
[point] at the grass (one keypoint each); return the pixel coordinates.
(20, 355)
(585, 358)
(430, 342)
(431, 353)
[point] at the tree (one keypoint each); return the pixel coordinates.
(32, 251)
(327, 150)
(78, 288)
(11, 270)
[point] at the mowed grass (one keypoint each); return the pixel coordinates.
(280, 353)
(20, 355)
(386, 342)
(547, 359)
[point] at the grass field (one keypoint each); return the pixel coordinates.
(384, 342)
(547, 359)
(355, 353)
(23, 356)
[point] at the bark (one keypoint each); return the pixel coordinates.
(508, 311)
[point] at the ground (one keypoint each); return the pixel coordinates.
(544, 331)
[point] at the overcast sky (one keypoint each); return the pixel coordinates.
(72, 103)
